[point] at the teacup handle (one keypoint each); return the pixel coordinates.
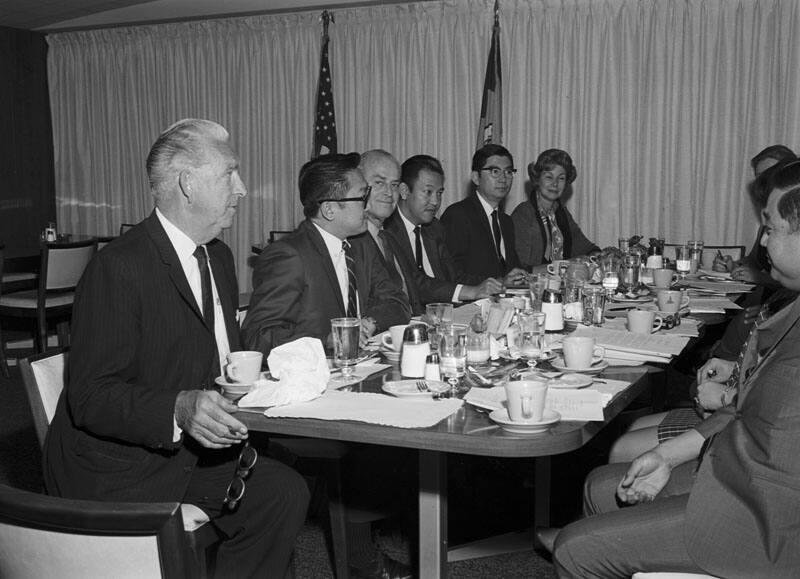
(658, 321)
(230, 372)
(386, 340)
(597, 357)
(684, 301)
(551, 269)
(527, 412)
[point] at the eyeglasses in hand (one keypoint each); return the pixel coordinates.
(247, 460)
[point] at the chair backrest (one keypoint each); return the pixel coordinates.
(44, 376)
(63, 264)
(125, 227)
(104, 240)
(277, 234)
(44, 536)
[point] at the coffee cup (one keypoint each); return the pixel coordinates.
(580, 352)
(556, 267)
(394, 339)
(670, 301)
(244, 367)
(525, 400)
(664, 278)
(643, 322)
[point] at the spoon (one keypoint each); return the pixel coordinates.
(475, 373)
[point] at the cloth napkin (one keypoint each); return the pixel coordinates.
(371, 408)
(299, 370)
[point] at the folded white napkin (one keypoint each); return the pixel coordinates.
(301, 371)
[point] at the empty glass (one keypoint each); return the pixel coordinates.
(435, 315)
(530, 340)
(537, 283)
(594, 303)
(695, 255)
(683, 260)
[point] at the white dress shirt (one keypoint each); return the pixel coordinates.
(488, 209)
(336, 251)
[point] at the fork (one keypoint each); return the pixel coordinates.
(422, 386)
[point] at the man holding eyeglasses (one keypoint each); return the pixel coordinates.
(318, 273)
(154, 317)
(479, 234)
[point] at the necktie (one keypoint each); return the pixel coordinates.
(207, 299)
(207, 296)
(418, 246)
(391, 263)
(498, 239)
(352, 287)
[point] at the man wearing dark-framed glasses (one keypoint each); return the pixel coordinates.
(323, 270)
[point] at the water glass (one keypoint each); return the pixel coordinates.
(453, 352)
(346, 333)
(683, 260)
(530, 342)
(695, 254)
(594, 303)
(537, 282)
(436, 314)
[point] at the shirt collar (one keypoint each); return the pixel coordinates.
(409, 226)
(183, 244)
(333, 243)
(486, 207)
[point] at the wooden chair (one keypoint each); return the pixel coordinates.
(61, 268)
(44, 376)
(125, 227)
(276, 234)
(44, 536)
(103, 240)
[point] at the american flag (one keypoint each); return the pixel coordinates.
(325, 122)
(490, 126)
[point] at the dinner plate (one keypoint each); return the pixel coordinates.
(717, 278)
(506, 355)
(636, 300)
(570, 382)
(391, 355)
(559, 364)
(549, 418)
(409, 388)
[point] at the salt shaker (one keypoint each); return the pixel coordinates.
(416, 348)
(432, 368)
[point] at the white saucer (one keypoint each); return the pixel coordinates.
(235, 390)
(570, 381)
(409, 389)
(549, 418)
(559, 364)
(391, 355)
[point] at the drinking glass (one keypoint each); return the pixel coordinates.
(695, 254)
(683, 260)
(453, 353)
(610, 281)
(594, 302)
(537, 283)
(346, 333)
(435, 315)
(531, 336)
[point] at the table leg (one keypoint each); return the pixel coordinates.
(432, 514)
(541, 489)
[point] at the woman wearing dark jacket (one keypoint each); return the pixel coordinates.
(544, 228)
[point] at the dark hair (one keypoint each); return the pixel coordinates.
(787, 179)
(778, 152)
(763, 185)
(326, 177)
(413, 166)
(549, 159)
(482, 155)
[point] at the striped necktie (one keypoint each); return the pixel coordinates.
(352, 287)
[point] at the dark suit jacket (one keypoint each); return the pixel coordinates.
(296, 292)
(468, 233)
(423, 289)
(743, 515)
(138, 338)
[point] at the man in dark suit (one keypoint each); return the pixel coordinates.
(154, 317)
(301, 282)
(736, 513)
(479, 234)
(420, 184)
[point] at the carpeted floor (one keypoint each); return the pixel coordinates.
(477, 509)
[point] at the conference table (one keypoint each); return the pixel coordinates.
(467, 431)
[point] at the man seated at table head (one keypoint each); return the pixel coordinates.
(722, 497)
(479, 234)
(430, 275)
(154, 316)
(302, 281)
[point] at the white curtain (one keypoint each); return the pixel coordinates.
(661, 103)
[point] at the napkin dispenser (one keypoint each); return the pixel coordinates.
(416, 348)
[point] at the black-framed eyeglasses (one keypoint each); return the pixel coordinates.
(497, 172)
(248, 457)
(364, 198)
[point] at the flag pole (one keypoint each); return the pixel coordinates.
(490, 125)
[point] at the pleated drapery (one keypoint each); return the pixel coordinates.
(661, 104)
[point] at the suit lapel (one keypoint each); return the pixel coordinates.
(480, 214)
(170, 259)
(318, 243)
(433, 253)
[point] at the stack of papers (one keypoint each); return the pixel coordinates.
(624, 345)
(711, 305)
(689, 327)
(578, 404)
(719, 287)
